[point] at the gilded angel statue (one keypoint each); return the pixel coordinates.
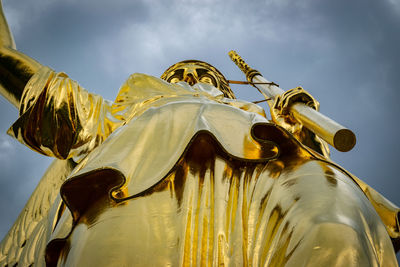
(178, 172)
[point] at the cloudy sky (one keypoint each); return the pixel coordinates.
(345, 53)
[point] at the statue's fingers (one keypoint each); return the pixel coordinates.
(289, 98)
(277, 103)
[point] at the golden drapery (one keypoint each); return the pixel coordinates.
(171, 174)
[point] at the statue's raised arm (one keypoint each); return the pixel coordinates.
(58, 117)
(16, 68)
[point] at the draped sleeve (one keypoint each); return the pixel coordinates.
(59, 118)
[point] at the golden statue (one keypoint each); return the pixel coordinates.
(177, 172)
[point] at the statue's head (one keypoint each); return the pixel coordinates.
(195, 71)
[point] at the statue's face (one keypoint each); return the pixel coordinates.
(192, 74)
(195, 71)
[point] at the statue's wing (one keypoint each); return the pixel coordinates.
(26, 241)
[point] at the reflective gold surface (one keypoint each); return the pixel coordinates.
(16, 68)
(178, 174)
(204, 197)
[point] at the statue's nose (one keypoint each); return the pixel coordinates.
(190, 79)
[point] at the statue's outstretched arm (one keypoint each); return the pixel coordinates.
(57, 117)
(16, 68)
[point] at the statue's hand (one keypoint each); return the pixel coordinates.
(280, 111)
